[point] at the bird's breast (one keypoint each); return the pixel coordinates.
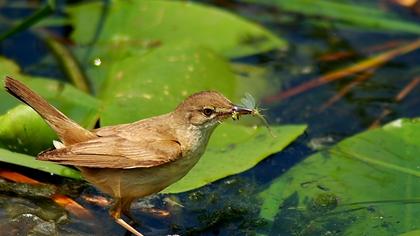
(193, 142)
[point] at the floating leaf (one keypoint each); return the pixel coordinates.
(234, 149)
(19, 126)
(76, 104)
(29, 161)
(140, 87)
(134, 25)
(349, 13)
(411, 233)
(371, 180)
(128, 28)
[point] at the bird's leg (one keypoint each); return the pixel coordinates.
(125, 209)
(115, 212)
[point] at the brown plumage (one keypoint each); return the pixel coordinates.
(133, 160)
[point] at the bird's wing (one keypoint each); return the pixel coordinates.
(116, 152)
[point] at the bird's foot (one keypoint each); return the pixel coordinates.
(116, 214)
(127, 226)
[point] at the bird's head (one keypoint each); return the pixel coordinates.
(208, 109)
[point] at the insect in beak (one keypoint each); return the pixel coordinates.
(238, 111)
(249, 107)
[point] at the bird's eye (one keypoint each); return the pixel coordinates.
(208, 112)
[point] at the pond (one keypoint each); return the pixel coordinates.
(338, 82)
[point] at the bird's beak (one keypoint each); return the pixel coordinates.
(239, 111)
(234, 112)
(242, 110)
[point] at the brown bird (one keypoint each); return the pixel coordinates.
(133, 160)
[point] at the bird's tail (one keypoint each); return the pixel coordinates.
(67, 130)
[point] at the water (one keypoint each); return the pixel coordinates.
(230, 206)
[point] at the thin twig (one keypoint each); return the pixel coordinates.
(346, 89)
(364, 65)
(407, 89)
(40, 14)
(67, 61)
(340, 55)
(400, 96)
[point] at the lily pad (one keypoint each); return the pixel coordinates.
(124, 29)
(76, 104)
(365, 185)
(234, 149)
(368, 17)
(138, 25)
(30, 162)
(411, 233)
(139, 87)
(19, 126)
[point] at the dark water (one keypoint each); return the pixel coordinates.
(230, 206)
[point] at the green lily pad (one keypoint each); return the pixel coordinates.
(138, 25)
(19, 126)
(234, 149)
(365, 185)
(368, 17)
(30, 162)
(139, 87)
(135, 28)
(411, 233)
(76, 104)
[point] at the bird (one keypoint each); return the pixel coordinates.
(133, 160)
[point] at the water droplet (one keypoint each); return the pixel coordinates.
(97, 62)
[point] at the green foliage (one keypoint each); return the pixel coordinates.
(353, 188)
(37, 16)
(76, 104)
(137, 25)
(128, 30)
(30, 162)
(347, 13)
(158, 81)
(234, 149)
(411, 233)
(18, 128)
